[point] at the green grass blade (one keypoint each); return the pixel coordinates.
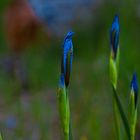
(117, 120)
(70, 133)
(70, 122)
(132, 109)
(63, 111)
(0, 137)
(122, 113)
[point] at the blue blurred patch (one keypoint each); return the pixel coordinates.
(59, 14)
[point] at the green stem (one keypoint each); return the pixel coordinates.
(122, 113)
(70, 131)
(0, 137)
(132, 137)
(64, 111)
(117, 121)
(70, 122)
(66, 136)
(133, 134)
(133, 125)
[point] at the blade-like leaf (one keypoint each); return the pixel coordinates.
(63, 110)
(132, 114)
(113, 72)
(70, 123)
(122, 113)
(0, 137)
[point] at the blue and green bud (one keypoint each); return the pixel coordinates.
(67, 57)
(114, 68)
(114, 37)
(134, 89)
(114, 54)
(63, 100)
(133, 106)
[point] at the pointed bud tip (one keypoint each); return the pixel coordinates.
(116, 17)
(67, 57)
(114, 36)
(134, 87)
(69, 34)
(134, 83)
(115, 23)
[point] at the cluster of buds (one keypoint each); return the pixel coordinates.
(129, 123)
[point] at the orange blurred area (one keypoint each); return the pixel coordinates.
(21, 24)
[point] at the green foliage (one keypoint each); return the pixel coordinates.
(122, 113)
(113, 73)
(63, 104)
(132, 111)
(0, 137)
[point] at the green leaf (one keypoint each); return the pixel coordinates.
(118, 59)
(63, 105)
(132, 115)
(70, 127)
(0, 137)
(117, 120)
(113, 72)
(122, 113)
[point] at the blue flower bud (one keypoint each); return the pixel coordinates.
(114, 36)
(134, 87)
(67, 57)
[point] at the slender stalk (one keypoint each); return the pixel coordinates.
(132, 127)
(0, 137)
(132, 119)
(68, 113)
(133, 106)
(70, 122)
(64, 109)
(122, 113)
(114, 67)
(117, 120)
(69, 136)
(113, 78)
(70, 129)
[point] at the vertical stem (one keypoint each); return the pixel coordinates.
(133, 120)
(0, 137)
(64, 111)
(70, 125)
(132, 133)
(70, 131)
(66, 136)
(113, 77)
(132, 137)
(117, 121)
(120, 111)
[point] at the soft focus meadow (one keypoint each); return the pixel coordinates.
(33, 114)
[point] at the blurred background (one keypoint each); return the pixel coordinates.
(31, 37)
